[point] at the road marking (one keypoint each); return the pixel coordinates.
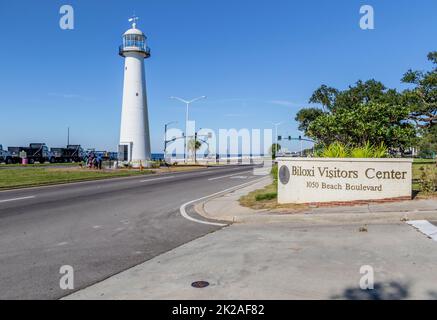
(17, 199)
(191, 174)
(183, 208)
(163, 178)
(221, 177)
(425, 227)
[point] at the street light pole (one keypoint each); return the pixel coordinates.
(187, 102)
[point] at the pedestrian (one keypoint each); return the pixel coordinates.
(91, 160)
(99, 162)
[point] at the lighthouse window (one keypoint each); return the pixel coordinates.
(137, 94)
(133, 40)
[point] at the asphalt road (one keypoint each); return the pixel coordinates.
(100, 228)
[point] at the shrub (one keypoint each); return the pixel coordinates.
(369, 151)
(366, 151)
(428, 179)
(274, 173)
(266, 196)
(335, 150)
(340, 150)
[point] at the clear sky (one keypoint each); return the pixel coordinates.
(256, 61)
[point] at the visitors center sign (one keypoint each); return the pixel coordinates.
(320, 180)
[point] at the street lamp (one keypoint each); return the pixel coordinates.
(187, 102)
(277, 124)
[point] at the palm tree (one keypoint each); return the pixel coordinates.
(193, 146)
(274, 149)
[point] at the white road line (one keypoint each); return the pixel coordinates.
(17, 199)
(425, 227)
(163, 178)
(183, 207)
(191, 174)
(229, 175)
(178, 174)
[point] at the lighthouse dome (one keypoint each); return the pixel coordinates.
(134, 31)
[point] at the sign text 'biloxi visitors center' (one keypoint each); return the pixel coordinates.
(310, 180)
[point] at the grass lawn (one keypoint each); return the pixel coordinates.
(424, 161)
(46, 176)
(266, 198)
(36, 165)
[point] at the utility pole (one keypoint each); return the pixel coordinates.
(68, 136)
(276, 125)
(165, 136)
(195, 145)
(165, 140)
(301, 146)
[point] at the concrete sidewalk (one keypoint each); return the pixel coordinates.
(227, 208)
(317, 254)
(284, 261)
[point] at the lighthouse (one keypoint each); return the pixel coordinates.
(134, 147)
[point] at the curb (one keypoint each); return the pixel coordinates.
(310, 217)
(198, 204)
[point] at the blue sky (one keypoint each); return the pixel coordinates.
(256, 61)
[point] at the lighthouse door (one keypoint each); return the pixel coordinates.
(125, 152)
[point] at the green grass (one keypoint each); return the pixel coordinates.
(424, 161)
(261, 198)
(44, 176)
(36, 165)
(266, 196)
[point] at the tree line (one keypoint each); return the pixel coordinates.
(370, 112)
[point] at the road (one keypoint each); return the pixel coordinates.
(100, 228)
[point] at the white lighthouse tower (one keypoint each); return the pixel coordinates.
(134, 145)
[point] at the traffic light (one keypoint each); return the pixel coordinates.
(279, 138)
